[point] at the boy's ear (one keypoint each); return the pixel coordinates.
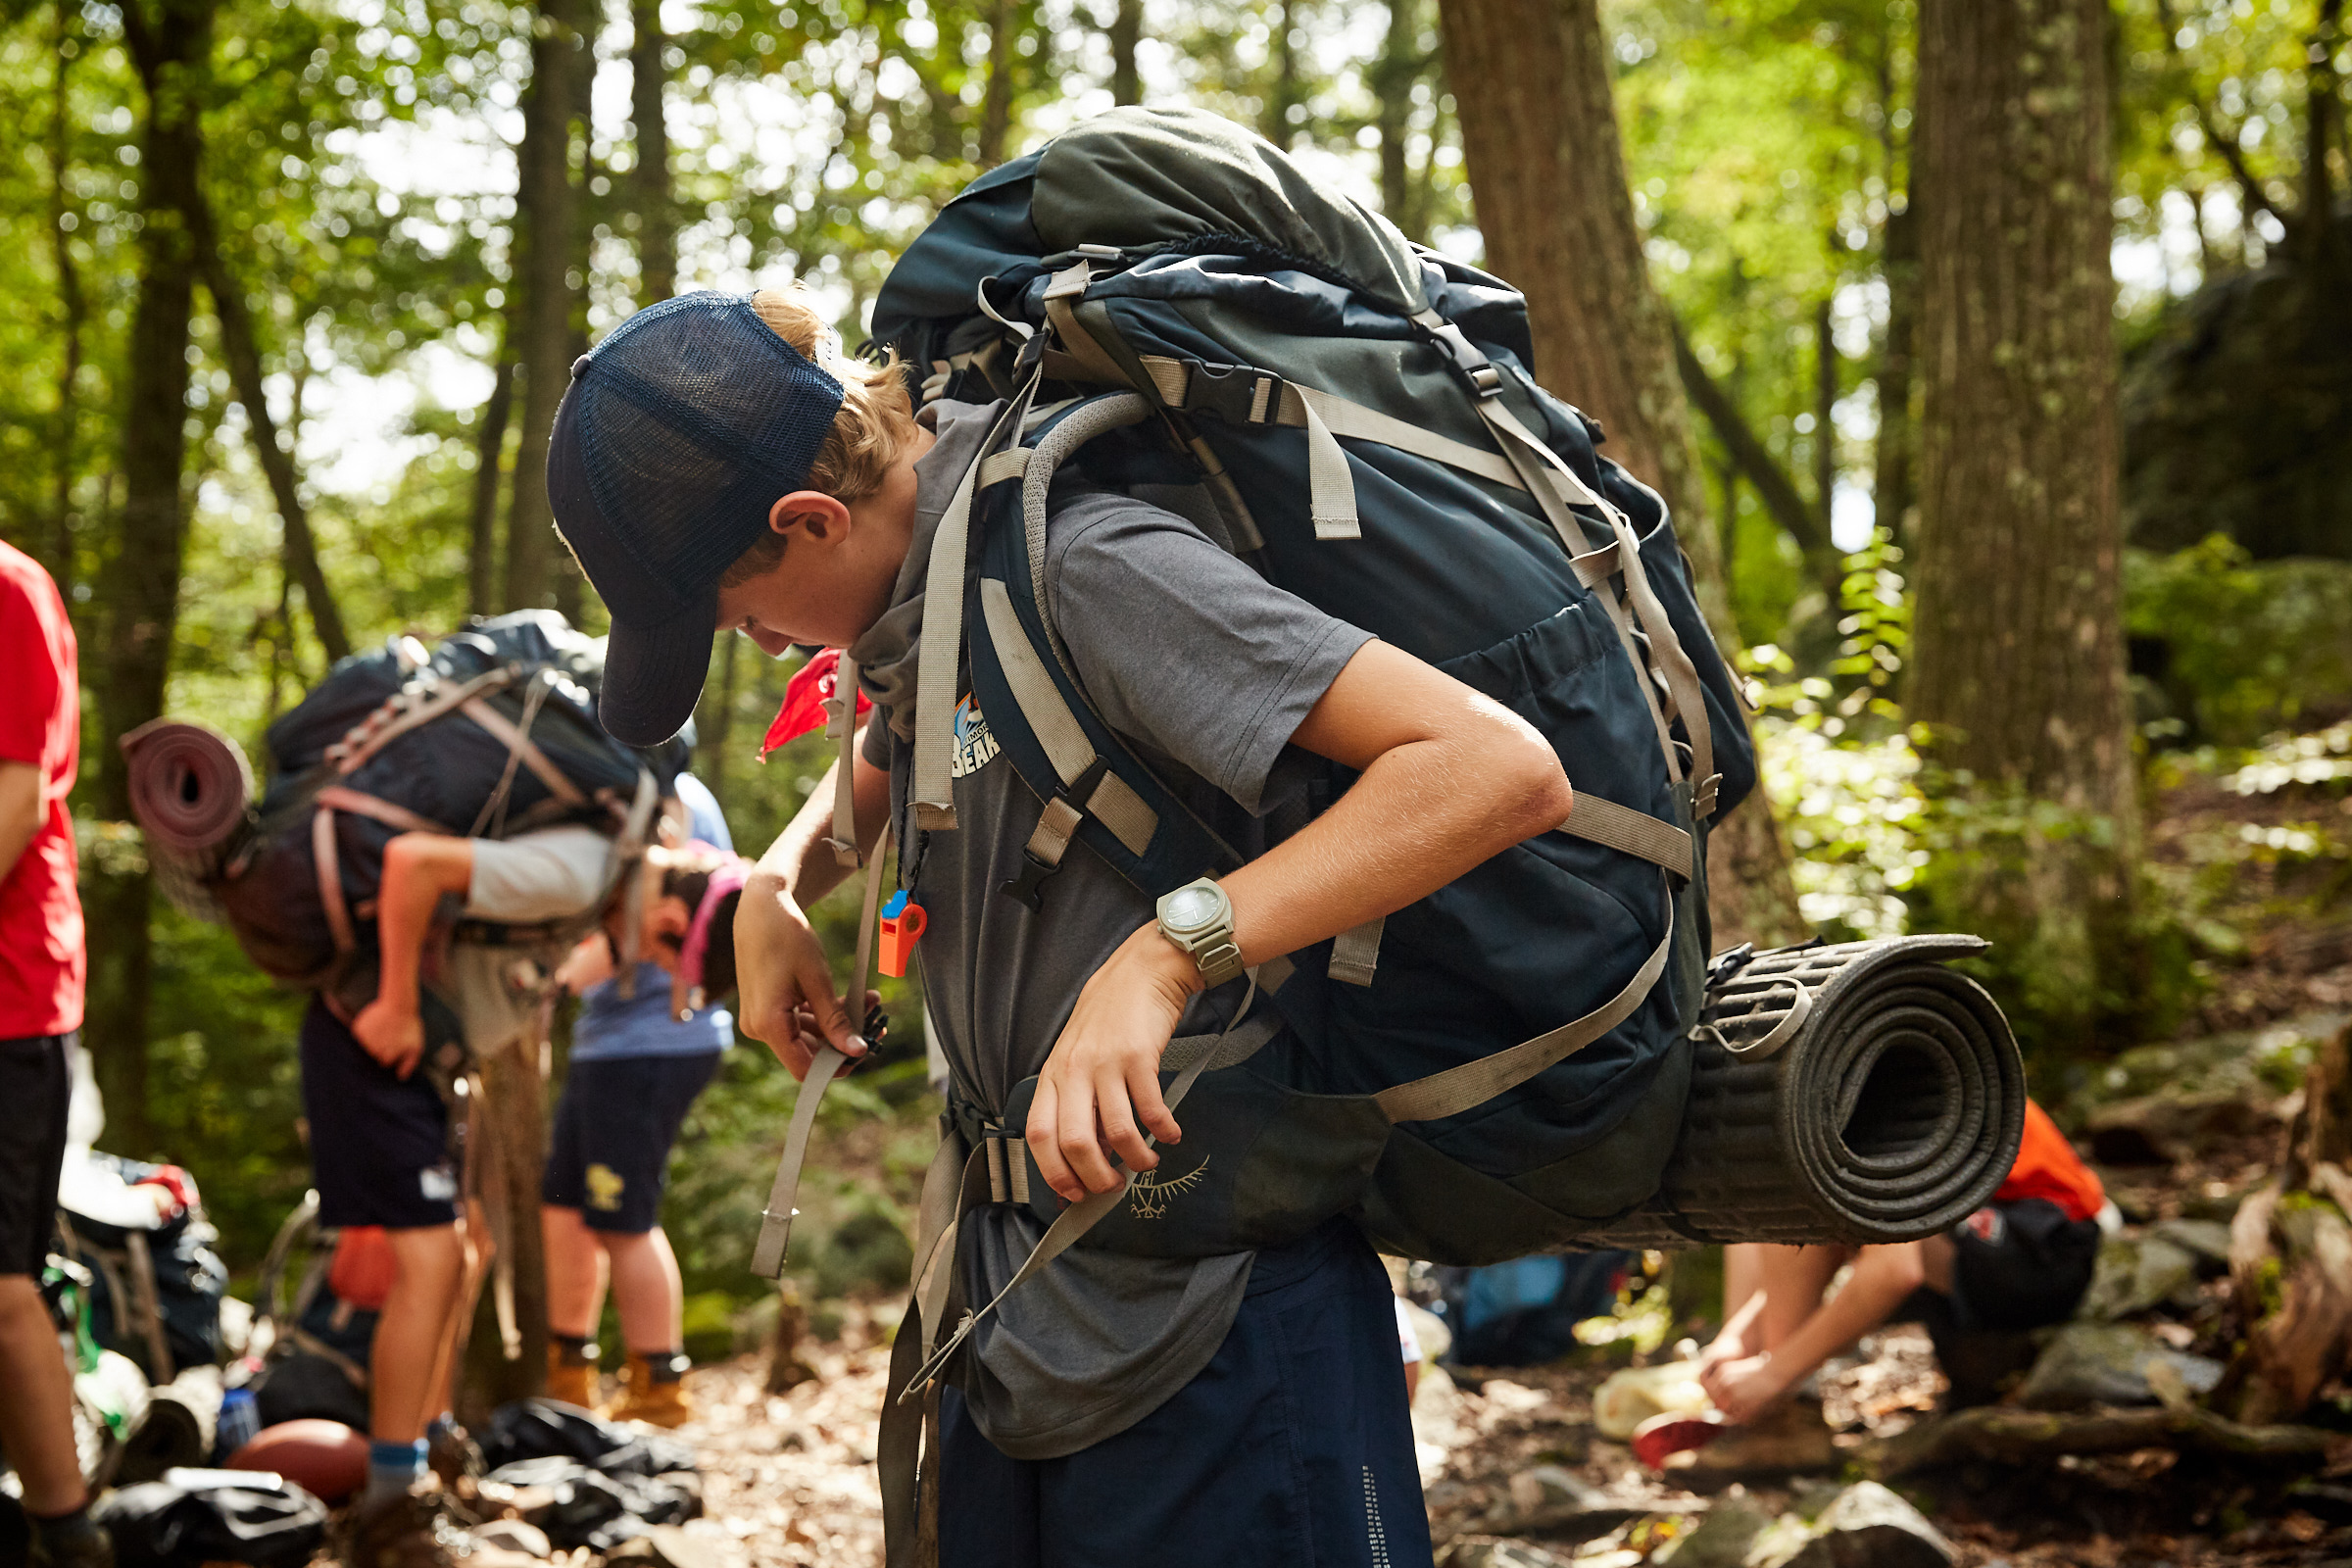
(814, 513)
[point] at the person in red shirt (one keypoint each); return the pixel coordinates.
(40, 1012)
(2021, 1261)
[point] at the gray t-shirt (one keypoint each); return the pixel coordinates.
(1207, 669)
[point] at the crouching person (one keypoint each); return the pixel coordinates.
(637, 1065)
(1242, 1408)
(379, 1131)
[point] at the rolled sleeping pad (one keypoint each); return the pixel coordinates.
(189, 789)
(1856, 1093)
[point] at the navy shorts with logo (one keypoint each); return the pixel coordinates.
(379, 1145)
(38, 1089)
(1292, 1448)
(615, 1126)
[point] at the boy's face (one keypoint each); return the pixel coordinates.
(839, 564)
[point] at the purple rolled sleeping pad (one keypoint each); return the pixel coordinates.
(189, 789)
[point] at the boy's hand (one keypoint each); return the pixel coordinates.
(1104, 1076)
(784, 987)
(1744, 1389)
(391, 1034)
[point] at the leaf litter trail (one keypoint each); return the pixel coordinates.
(789, 1478)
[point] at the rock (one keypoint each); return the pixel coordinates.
(1626, 1399)
(2208, 1240)
(514, 1535)
(2109, 1363)
(2158, 1129)
(1866, 1526)
(1722, 1539)
(2139, 1272)
(664, 1546)
(1547, 1499)
(1430, 1332)
(1485, 1551)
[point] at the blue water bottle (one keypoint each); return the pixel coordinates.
(240, 1421)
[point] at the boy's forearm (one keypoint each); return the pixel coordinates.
(419, 869)
(1877, 1284)
(800, 864)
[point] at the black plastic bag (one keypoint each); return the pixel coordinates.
(540, 1429)
(596, 1508)
(162, 1525)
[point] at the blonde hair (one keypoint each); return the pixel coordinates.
(876, 422)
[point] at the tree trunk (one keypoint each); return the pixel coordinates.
(72, 310)
(1894, 484)
(278, 460)
(138, 582)
(1547, 172)
(1125, 33)
(489, 448)
(1391, 80)
(1825, 416)
(1748, 453)
(996, 102)
(548, 216)
(2018, 647)
(656, 214)
(1282, 96)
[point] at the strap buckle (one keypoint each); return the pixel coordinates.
(1477, 371)
(1042, 856)
(1238, 394)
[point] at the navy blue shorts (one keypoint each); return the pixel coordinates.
(1292, 1448)
(615, 1125)
(379, 1146)
(36, 1087)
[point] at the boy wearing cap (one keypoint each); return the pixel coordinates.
(636, 1067)
(379, 1130)
(716, 464)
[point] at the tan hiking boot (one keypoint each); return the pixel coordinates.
(656, 1402)
(574, 1383)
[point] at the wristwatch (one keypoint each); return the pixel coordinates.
(1199, 918)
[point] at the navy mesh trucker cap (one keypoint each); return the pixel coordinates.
(675, 437)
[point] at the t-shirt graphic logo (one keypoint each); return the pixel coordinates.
(975, 746)
(1148, 1194)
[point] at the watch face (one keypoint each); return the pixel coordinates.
(1192, 908)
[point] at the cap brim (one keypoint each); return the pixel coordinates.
(653, 673)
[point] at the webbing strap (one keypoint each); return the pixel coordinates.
(1800, 1007)
(1077, 1219)
(521, 745)
(841, 724)
(1113, 802)
(1005, 465)
(330, 880)
(940, 647)
(775, 1221)
(1061, 293)
(1083, 423)
(343, 798)
(1356, 953)
(364, 741)
(1474, 1083)
(1631, 832)
(1330, 489)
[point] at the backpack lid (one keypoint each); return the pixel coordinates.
(1137, 178)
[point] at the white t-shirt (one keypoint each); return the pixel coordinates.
(552, 874)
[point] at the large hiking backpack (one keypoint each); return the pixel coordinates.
(492, 732)
(1171, 308)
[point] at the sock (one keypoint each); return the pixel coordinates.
(667, 1366)
(575, 1350)
(394, 1467)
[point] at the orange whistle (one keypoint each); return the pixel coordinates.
(902, 925)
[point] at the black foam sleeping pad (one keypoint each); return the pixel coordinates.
(1892, 1112)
